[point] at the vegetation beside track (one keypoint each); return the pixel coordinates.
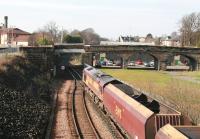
(25, 98)
(195, 75)
(184, 94)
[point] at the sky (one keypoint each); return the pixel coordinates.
(109, 18)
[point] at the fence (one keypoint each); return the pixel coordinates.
(8, 50)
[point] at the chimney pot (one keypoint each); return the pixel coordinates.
(6, 21)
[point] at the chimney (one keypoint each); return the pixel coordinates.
(6, 21)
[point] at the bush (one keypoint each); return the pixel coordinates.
(25, 99)
(72, 39)
(22, 115)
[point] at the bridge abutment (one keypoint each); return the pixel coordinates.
(160, 60)
(124, 59)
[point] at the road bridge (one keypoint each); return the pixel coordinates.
(160, 54)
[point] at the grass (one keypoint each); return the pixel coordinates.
(185, 95)
(195, 75)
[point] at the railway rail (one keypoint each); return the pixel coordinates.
(84, 125)
(73, 113)
(118, 131)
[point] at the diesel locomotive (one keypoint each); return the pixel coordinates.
(138, 115)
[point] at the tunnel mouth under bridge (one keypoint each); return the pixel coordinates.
(67, 58)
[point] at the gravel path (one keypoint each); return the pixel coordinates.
(61, 129)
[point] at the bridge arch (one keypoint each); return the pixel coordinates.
(162, 61)
(175, 61)
(102, 58)
(148, 59)
(185, 60)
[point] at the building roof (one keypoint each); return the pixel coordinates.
(169, 38)
(127, 38)
(14, 31)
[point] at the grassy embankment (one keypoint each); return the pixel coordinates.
(25, 98)
(185, 94)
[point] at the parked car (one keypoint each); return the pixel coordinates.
(151, 63)
(103, 63)
(109, 63)
(131, 63)
(146, 64)
(138, 62)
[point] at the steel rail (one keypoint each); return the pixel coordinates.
(78, 130)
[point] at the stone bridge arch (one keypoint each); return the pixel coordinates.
(163, 59)
(194, 61)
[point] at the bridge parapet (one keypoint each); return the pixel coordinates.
(145, 48)
(39, 55)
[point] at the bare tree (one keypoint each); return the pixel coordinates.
(52, 29)
(90, 37)
(149, 38)
(190, 28)
(174, 35)
(61, 34)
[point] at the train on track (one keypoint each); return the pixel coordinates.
(138, 115)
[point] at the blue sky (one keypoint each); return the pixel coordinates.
(109, 18)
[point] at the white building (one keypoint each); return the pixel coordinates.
(142, 39)
(168, 41)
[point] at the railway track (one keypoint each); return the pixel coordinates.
(81, 118)
(74, 115)
(117, 132)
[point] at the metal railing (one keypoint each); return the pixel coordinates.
(7, 50)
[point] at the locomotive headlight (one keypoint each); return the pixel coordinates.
(62, 67)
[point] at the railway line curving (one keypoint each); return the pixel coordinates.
(74, 115)
(84, 125)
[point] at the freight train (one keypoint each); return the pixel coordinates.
(138, 115)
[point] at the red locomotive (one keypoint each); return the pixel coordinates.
(140, 116)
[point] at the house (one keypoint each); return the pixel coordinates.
(14, 36)
(126, 39)
(142, 39)
(168, 41)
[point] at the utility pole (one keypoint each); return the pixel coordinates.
(61, 37)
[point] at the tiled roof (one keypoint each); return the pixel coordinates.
(14, 31)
